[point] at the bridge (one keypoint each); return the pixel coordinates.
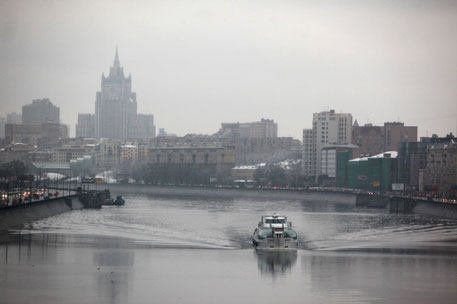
(50, 167)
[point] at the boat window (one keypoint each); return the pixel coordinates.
(275, 221)
(290, 233)
(264, 233)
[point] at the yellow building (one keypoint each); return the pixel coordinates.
(214, 155)
(128, 154)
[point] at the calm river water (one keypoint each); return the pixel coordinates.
(181, 250)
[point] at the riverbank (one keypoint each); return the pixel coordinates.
(14, 217)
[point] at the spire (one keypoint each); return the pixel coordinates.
(116, 70)
(116, 58)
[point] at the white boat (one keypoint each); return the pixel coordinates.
(274, 232)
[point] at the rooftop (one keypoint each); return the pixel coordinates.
(387, 154)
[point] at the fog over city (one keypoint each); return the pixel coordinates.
(228, 151)
(195, 64)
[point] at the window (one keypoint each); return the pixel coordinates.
(275, 221)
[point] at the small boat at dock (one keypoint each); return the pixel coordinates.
(119, 201)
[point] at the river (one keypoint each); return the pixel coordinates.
(198, 250)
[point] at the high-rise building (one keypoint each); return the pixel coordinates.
(328, 128)
(2, 127)
(86, 126)
(309, 152)
(397, 132)
(116, 110)
(13, 118)
(115, 105)
(40, 111)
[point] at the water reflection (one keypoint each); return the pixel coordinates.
(275, 262)
(369, 275)
(111, 276)
(26, 249)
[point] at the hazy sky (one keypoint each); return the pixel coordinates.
(195, 64)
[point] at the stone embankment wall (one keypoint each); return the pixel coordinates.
(407, 205)
(14, 217)
(436, 209)
(373, 201)
(231, 193)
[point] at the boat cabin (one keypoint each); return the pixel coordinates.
(274, 221)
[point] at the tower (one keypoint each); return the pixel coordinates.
(115, 104)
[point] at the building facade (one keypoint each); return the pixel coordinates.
(85, 127)
(397, 132)
(370, 173)
(329, 159)
(44, 134)
(2, 127)
(309, 152)
(328, 128)
(265, 128)
(368, 138)
(13, 118)
(15, 151)
(128, 154)
(441, 169)
(22, 133)
(412, 158)
(40, 111)
(187, 164)
(106, 153)
(67, 153)
(208, 155)
(142, 127)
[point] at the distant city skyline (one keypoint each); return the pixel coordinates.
(196, 66)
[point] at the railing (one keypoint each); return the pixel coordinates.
(27, 196)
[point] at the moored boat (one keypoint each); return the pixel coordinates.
(274, 232)
(119, 201)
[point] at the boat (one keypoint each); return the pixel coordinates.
(119, 201)
(274, 232)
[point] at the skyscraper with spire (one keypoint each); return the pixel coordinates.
(115, 105)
